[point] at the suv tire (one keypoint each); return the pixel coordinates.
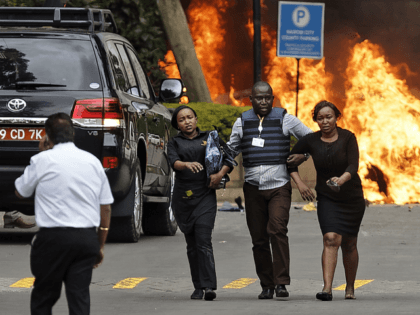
(128, 229)
(159, 218)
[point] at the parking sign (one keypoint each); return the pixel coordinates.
(300, 31)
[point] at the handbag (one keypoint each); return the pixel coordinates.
(214, 158)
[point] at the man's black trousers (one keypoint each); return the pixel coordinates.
(63, 255)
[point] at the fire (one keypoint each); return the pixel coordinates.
(170, 66)
(385, 117)
(281, 73)
(377, 105)
(207, 29)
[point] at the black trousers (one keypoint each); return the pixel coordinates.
(63, 255)
(200, 257)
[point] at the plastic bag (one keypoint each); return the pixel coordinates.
(214, 155)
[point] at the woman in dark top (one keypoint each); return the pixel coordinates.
(194, 200)
(341, 206)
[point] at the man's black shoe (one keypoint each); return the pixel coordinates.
(209, 294)
(197, 294)
(281, 291)
(266, 294)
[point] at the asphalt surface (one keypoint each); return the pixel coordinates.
(388, 248)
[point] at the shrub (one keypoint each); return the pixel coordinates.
(219, 115)
(212, 115)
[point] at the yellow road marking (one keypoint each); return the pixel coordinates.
(24, 283)
(128, 283)
(357, 284)
(240, 283)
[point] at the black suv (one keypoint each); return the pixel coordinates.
(71, 60)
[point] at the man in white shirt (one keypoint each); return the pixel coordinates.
(72, 199)
(262, 134)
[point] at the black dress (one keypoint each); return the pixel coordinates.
(192, 199)
(340, 212)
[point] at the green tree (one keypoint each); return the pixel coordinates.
(22, 3)
(139, 21)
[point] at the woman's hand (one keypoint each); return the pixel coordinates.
(215, 180)
(194, 167)
(305, 191)
(342, 179)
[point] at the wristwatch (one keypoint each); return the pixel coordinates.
(307, 155)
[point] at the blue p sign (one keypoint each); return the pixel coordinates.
(301, 16)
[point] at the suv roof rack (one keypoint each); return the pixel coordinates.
(92, 20)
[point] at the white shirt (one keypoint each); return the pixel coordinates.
(70, 185)
(267, 176)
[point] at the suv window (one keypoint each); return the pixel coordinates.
(117, 67)
(140, 73)
(133, 89)
(40, 65)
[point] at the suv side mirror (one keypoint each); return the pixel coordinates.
(170, 89)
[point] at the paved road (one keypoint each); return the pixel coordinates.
(389, 256)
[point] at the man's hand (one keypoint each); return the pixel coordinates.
(295, 160)
(99, 258)
(18, 195)
(305, 192)
(44, 144)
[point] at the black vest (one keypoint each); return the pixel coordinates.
(276, 145)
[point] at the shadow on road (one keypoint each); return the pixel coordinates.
(9, 236)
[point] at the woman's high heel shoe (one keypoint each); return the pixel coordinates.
(324, 296)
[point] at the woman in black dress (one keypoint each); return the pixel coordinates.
(194, 199)
(341, 204)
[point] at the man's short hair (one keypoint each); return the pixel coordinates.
(262, 84)
(59, 128)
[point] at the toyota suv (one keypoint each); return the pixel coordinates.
(72, 60)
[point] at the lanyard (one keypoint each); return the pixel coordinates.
(260, 127)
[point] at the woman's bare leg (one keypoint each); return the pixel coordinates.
(332, 242)
(350, 262)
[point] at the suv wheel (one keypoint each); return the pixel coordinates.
(159, 218)
(128, 229)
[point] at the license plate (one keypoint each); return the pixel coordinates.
(21, 134)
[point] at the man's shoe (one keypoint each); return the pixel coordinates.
(19, 222)
(266, 294)
(209, 294)
(281, 291)
(197, 294)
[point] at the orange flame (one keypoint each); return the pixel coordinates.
(385, 117)
(377, 105)
(170, 66)
(207, 29)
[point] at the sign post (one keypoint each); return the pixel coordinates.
(300, 32)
